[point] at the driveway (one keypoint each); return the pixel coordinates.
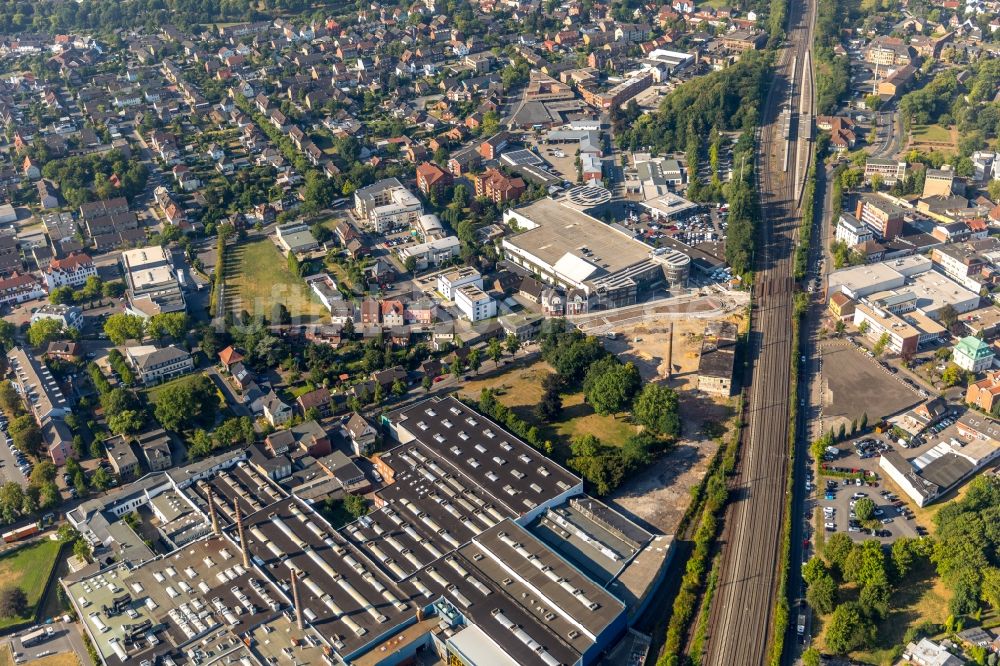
(65, 638)
(239, 409)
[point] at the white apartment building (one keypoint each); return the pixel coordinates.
(475, 303)
(387, 204)
(69, 316)
(154, 366)
(72, 271)
(448, 283)
(432, 252)
(852, 231)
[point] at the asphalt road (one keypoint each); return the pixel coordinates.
(743, 611)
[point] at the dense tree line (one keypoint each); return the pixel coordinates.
(726, 100)
(832, 72)
(90, 177)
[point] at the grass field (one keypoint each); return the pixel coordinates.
(28, 568)
(520, 388)
(258, 278)
(931, 133)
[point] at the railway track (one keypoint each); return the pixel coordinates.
(743, 611)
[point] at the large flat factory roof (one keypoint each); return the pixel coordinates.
(444, 541)
(554, 229)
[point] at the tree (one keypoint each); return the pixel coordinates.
(44, 331)
(355, 505)
(113, 289)
(101, 479)
(410, 264)
(13, 602)
(189, 403)
(62, 296)
(836, 548)
(512, 344)
(811, 657)
(952, 375)
(864, 509)
(427, 382)
(881, 344)
(610, 386)
(121, 327)
(948, 316)
(863, 327)
(494, 351)
(849, 629)
(7, 331)
(474, 360)
(168, 324)
(10, 399)
(657, 408)
(127, 422)
(822, 593)
(550, 406)
(11, 500)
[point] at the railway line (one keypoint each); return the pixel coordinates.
(743, 610)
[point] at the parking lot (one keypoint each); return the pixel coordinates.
(8, 464)
(835, 496)
(65, 638)
(854, 383)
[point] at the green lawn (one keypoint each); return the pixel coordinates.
(28, 568)
(935, 133)
(258, 278)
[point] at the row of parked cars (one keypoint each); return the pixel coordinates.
(22, 461)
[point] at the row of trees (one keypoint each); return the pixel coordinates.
(92, 289)
(121, 327)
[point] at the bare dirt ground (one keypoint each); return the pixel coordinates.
(659, 496)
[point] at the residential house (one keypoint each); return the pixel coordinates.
(275, 410)
(362, 435)
(123, 460)
(318, 399)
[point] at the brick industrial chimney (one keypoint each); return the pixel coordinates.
(295, 599)
(243, 539)
(212, 513)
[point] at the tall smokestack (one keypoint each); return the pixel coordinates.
(295, 599)
(212, 513)
(243, 539)
(670, 353)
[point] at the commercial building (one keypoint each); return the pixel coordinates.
(386, 204)
(972, 354)
(69, 316)
(884, 218)
(432, 178)
(936, 472)
(938, 182)
(20, 288)
(888, 52)
(618, 94)
(985, 393)
(890, 171)
(470, 524)
(152, 286)
(154, 366)
(573, 250)
(122, 458)
(475, 303)
(927, 291)
(296, 238)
